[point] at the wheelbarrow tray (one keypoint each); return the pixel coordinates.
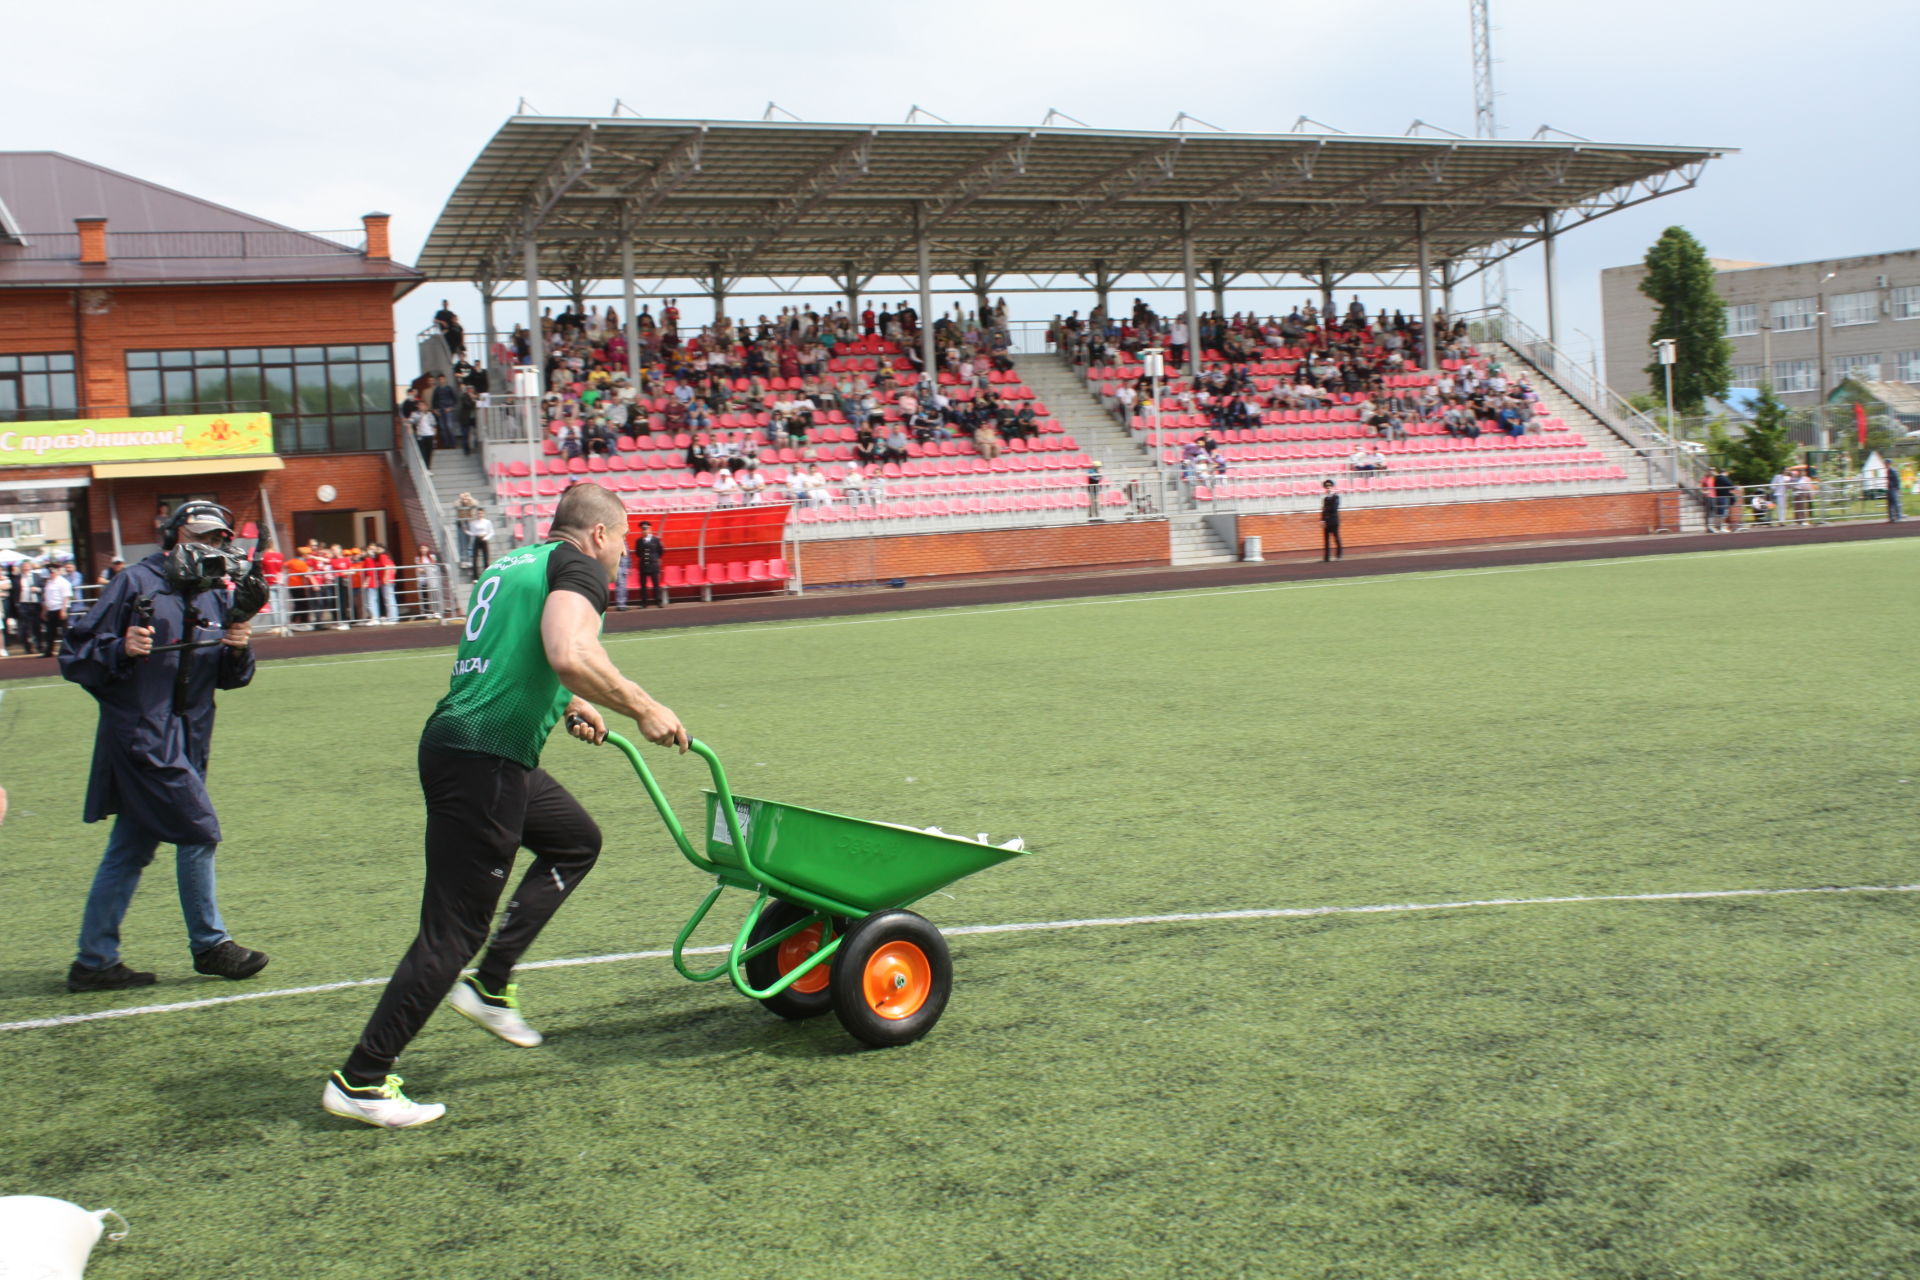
(872, 866)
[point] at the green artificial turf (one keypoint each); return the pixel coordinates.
(1701, 1088)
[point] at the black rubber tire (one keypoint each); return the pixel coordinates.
(763, 970)
(848, 984)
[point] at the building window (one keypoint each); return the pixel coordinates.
(1864, 368)
(36, 388)
(1906, 366)
(1747, 375)
(1906, 302)
(323, 399)
(1794, 375)
(1853, 308)
(1743, 320)
(1794, 313)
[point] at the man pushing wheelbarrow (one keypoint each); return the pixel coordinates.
(827, 928)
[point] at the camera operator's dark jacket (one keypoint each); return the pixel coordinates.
(149, 761)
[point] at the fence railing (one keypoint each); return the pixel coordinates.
(445, 541)
(1578, 381)
(65, 245)
(419, 592)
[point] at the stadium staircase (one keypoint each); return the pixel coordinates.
(1124, 460)
(1599, 433)
(455, 473)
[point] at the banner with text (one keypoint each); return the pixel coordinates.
(86, 441)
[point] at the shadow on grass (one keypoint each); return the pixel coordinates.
(701, 1025)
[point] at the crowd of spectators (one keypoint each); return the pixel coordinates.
(783, 374)
(1355, 359)
(37, 600)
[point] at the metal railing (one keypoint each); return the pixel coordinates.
(435, 355)
(65, 245)
(419, 592)
(445, 541)
(1579, 383)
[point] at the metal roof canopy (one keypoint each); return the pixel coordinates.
(721, 202)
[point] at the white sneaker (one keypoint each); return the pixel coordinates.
(498, 1014)
(383, 1106)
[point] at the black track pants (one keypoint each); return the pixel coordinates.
(1330, 544)
(480, 811)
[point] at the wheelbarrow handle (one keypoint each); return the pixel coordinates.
(667, 814)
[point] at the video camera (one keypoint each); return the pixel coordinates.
(193, 567)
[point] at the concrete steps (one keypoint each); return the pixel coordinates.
(1642, 473)
(1069, 399)
(1195, 542)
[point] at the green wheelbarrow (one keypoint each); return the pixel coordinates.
(828, 928)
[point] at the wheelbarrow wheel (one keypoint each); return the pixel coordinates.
(891, 978)
(810, 996)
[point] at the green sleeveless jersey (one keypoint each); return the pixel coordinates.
(503, 698)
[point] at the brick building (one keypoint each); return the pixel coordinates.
(144, 333)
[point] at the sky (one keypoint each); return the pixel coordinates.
(312, 115)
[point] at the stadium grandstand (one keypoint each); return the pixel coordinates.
(1180, 432)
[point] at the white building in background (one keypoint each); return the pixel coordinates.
(35, 533)
(1864, 312)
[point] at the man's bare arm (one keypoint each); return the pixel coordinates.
(570, 630)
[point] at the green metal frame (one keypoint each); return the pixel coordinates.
(750, 878)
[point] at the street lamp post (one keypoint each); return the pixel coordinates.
(1153, 363)
(1664, 349)
(1820, 373)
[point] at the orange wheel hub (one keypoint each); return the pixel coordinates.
(897, 980)
(793, 952)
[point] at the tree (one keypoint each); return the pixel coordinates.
(1767, 445)
(1688, 309)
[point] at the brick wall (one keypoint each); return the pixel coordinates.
(101, 325)
(985, 552)
(1441, 523)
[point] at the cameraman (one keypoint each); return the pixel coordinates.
(156, 728)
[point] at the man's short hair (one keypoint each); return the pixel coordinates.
(586, 505)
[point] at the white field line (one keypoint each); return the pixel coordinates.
(1035, 926)
(908, 613)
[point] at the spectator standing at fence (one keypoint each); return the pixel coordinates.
(55, 600)
(1710, 495)
(1331, 548)
(295, 569)
(465, 509)
(342, 567)
(479, 536)
(1095, 479)
(428, 584)
(1893, 494)
(382, 608)
(648, 553)
(1804, 487)
(27, 606)
(1782, 485)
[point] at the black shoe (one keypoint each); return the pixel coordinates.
(229, 960)
(112, 978)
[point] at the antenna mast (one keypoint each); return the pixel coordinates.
(1493, 280)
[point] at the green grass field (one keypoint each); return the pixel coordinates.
(1707, 1088)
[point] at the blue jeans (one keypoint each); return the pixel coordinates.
(129, 850)
(380, 603)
